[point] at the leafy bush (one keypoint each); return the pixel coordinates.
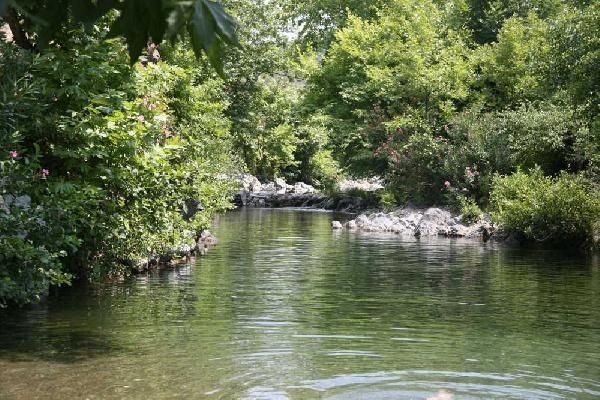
(387, 200)
(316, 164)
(103, 158)
(544, 208)
(416, 171)
(469, 210)
(482, 144)
(324, 170)
(265, 135)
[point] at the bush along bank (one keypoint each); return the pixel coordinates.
(525, 207)
(101, 163)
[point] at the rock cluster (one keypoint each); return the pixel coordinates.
(253, 193)
(366, 184)
(421, 222)
(180, 254)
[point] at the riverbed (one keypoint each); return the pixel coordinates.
(285, 308)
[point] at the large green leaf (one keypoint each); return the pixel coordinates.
(88, 11)
(140, 20)
(206, 31)
(204, 25)
(206, 21)
(224, 22)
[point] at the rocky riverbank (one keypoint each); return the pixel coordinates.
(279, 194)
(182, 254)
(422, 222)
(411, 221)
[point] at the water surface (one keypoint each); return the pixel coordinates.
(284, 308)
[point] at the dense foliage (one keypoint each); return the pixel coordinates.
(103, 163)
(559, 209)
(99, 160)
(439, 97)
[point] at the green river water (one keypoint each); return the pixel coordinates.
(284, 308)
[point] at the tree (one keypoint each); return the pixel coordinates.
(405, 71)
(316, 21)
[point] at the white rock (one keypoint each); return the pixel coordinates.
(281, 186)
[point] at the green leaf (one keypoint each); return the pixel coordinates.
(224, 22)
(88, 11)
(215, 56)
(177, 20)
(204, 25)
(140, 20)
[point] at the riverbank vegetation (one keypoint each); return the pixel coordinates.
(105, 160)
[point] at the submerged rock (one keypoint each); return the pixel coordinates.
(351, 225)
(336, 225)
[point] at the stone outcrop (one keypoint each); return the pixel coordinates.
(253, 193)
(422, 222)
(365, 184)
(335, 225)
(403, 221)
(278, 194)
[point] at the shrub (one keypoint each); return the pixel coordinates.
(416, 170)
(102, 158)
(469, 210)
(325, 171)
(546, 209)
(387, 200)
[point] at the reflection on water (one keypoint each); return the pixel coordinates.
(284, 308)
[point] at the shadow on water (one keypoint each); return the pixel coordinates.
(82, 322)
(59, 346)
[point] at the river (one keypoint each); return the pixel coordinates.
(285, 308)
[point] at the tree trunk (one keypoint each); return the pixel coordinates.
(19, 36)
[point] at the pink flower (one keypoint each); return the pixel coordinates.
(141, 118)
(13, 154)
(45, 173)
(447, 184)
(152, 106)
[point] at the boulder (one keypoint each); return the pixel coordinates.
(23, 201)
(336, 225)
(367, 185)
(433, 221)
(362, 221)
(269, 187)
(205, 240)
(430, 222)
(281, 186)
(302, 188)
(251, 183)
(190, 208)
